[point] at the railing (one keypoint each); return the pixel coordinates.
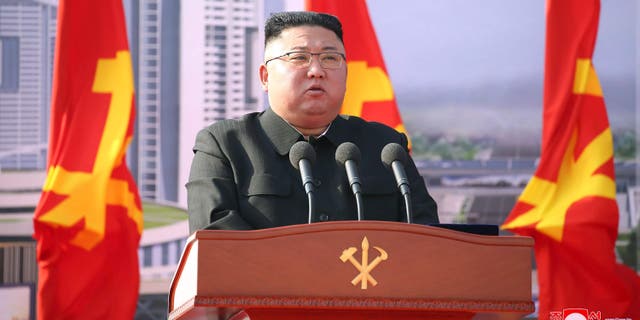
(18, 263)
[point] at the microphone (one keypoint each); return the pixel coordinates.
(348, 155)
(302, 156)
(394, 158)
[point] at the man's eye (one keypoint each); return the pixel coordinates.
(298, 57)
(331, 58)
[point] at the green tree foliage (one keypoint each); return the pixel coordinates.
(624, 145)
(445, 148)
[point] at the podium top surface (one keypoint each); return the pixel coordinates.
(362, 226)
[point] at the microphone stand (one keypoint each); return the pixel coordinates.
(301, 156)
(312, 209)
(403, 184)
(359, 205)
(307, 180)
(407, 206)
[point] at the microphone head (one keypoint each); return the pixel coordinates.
(393, 152)
(347, 151)
(301, 150)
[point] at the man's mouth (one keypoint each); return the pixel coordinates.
(315, 89)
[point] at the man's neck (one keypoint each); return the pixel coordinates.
(307, 132)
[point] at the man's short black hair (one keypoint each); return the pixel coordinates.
(284, 20)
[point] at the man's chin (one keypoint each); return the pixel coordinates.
(311, 120)
(320, 110)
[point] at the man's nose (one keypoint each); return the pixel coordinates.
(315, 68)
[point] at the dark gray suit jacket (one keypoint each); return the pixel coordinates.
(241, 177)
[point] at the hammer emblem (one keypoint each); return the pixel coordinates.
(365, 267)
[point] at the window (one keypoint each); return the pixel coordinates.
(0, 62)
(9, 64)
(165, 253)
(150, 176)
(178, 245)
(146, 256)
(150, 119)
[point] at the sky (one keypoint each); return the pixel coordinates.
(464, 42)
(476, 67)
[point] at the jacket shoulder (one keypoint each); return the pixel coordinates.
(223, 131)
(229, 125)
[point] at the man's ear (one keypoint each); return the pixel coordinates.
(264, 77)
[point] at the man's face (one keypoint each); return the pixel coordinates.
(307, 97)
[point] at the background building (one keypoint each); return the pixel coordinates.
(27, 41)
(154, 41)
(195, 63)
(221, 49)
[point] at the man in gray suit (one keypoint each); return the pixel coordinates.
(241, 177)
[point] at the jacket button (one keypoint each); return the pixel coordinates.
(324, 217)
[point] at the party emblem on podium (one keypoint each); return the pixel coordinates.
(364, 266)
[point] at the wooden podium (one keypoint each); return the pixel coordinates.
(352, 270)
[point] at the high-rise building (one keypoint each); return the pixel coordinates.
(153, 27)
(221, 49)
(27, 42)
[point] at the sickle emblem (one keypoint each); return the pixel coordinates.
(365, 268)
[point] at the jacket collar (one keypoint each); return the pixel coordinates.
(283, 135)
(339, 131)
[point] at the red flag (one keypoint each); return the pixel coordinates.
(569, 205)
(369, 91)
(88, 221)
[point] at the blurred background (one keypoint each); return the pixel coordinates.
(467, 76)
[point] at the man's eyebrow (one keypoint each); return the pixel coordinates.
(305, 48)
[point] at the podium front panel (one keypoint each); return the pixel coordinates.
(366, 265)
